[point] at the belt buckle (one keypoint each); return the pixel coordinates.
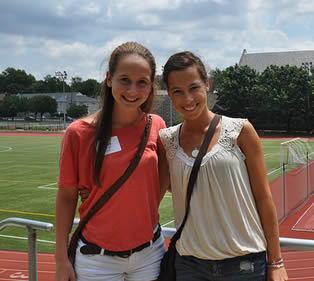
(127, 254)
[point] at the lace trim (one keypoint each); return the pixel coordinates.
(169, 138)
(230, 130)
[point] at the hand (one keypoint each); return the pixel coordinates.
(277, 274)
(84, 193)
(64, 271)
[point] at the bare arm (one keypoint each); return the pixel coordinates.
(163, 170)
(65, 211)
(250, 144)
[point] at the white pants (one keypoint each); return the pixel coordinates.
(140, 266)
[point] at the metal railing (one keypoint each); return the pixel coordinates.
(31, 226)
(286, 243)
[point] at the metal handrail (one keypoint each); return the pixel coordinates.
(31, 226)
(287, 243)
(297, 244)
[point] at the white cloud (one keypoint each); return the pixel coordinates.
(91, 8)
(78, 35)
(148, 19)
(147, 5)
(60, 10)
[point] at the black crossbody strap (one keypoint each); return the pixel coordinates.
(110, 191)
(194, 172)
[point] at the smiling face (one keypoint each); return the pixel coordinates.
(131, 82)
(188, 92)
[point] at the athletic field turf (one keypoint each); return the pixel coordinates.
(28, 176)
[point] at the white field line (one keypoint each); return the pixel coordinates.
(6, 148)
(47, 186)
(168, 223)
(274, 171)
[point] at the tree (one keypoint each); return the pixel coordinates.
(1, 109)
(77, 111)
(22, 104)
(285, 91)
(42, 104)
(235, 88)
(90, 87)
(15, 81)
(10, 106)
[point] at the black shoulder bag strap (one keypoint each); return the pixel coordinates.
(194, 172)
(110, 192)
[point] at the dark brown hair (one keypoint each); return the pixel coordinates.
(104, 118)
(181, 61)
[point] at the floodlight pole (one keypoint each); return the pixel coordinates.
(62, 76)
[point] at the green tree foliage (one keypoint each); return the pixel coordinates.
(77, 111)
(90, 87)
(274, 99)
(235, 89)
(285, 90)
(9, 106)
(13, 81)
(50, 84)
(42, 104)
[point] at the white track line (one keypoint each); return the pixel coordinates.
(293, 228)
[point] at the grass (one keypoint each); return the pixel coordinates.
(28, 176)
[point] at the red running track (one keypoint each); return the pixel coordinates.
(299, 264)
(14, 266)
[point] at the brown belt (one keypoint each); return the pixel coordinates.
(93, 249)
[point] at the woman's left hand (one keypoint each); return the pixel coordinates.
(277, 274)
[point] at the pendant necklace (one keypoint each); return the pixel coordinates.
(195, 152)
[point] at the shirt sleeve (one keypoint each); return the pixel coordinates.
(161, 125)
(69, 156)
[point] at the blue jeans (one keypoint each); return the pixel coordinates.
(242, 268)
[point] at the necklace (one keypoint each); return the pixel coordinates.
(195, 152)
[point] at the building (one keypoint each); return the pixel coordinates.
(64, 100)
(163, 107)
(260, 61)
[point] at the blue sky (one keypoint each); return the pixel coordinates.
(44, 36)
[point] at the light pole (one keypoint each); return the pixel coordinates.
(307, 67)
(62, 76)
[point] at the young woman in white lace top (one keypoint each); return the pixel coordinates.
(232, 231)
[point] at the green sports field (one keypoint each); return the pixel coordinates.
(28, 176)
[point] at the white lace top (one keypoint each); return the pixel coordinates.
(223, 221)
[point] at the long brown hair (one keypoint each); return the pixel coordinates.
(104, 118)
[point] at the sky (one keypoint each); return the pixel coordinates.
(77, 36)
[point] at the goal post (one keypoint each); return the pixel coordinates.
(295, 151)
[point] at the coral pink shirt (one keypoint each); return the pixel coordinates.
(127, 220)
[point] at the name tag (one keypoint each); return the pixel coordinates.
(113, 145)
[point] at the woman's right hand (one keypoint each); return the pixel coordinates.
(64, 271)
